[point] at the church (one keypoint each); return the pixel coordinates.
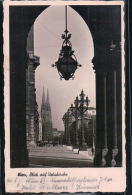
(47, 134)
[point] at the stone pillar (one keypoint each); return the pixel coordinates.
(33, 62)
(108, 149)
(101, 148)
(115, 147)
(114, 141)
(114, 107)
(105, 148)
(32, 133)
(31, 103)
(27, 109)
(19, 27)
(18, 145)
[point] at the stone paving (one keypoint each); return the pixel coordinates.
(58, 152)
(59, 156)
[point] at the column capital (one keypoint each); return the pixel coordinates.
(33, 60)
(98, 65)
(108, 58)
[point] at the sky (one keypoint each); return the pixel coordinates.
(48, 28)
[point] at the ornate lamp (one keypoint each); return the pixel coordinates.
(83, 104)
(67, 61)
(75, 114)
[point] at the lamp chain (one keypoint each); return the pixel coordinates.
(66, 16)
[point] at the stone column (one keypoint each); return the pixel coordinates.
(108, 149)
(19, 27)
(32, 137)
(31, 103)
(112, 119)
(32, 64)
(105, 148)
(114, 107)
(115, 148)
(27, 109)
(18, 144)
(101, 148)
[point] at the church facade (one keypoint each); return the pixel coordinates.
(47, 130)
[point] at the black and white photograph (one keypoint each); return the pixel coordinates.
(64, 71)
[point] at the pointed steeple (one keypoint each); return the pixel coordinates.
(46, 118)
(43, 99)
(47, 100)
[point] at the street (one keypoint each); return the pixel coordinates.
(59, 156)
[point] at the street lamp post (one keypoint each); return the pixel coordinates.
(65, 134)
(82, 108)
(75, 114)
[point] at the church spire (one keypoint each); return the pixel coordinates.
(46, 118)
(43, 99)
(48, 101)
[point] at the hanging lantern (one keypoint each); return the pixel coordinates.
(67, 61)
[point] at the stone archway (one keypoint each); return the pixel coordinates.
(107, 65)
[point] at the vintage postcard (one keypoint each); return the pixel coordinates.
(64, 96)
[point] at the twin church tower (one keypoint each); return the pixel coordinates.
(46, 118)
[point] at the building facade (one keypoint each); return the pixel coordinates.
(32, 115)
(40, 127)
(77, 131)
(58, 137)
